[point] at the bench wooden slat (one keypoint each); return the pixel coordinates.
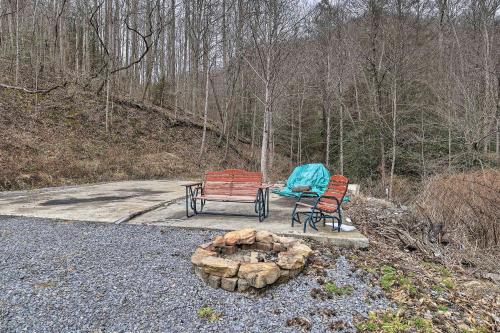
(232, 183)
(231, 198)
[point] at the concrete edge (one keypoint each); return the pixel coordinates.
(344, 242)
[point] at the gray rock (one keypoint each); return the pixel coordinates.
(228, 284)
(243, 285)
(214, 281)
(201, 274)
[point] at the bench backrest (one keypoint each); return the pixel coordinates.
(232, 182)
(337, 187)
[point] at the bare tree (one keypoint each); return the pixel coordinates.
(272, 24)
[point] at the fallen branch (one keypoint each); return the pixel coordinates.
(30, 91)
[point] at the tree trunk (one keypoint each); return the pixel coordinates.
(172, 61)
(108, 92)
(328, 109)
(291, 139)
(77, 50)
(185, 59)
(341, 130)
(205, 111)
(61, 41)
(498, 140)
(16, 79)
(134, 78)
(356, 94)
(299, 139)
(487, 105)
(393, 161)
(422, 142)
(267, 119)
(254, 115)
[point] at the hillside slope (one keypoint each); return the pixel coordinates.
(63, 140)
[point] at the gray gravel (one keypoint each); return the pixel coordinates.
(58, 276)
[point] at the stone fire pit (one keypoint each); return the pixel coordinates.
(245, 259)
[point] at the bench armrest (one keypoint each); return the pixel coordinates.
(264, 186)
(192, 184)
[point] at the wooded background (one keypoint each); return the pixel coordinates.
(374, 89)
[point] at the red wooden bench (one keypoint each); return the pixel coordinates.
(232, 185)
(325, 205)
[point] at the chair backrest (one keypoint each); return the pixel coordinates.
(232, 182)
(337, 187)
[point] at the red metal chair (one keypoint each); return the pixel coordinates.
(325, 206)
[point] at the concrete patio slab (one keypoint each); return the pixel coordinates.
(107, 202)
(118, 201)
(279, 221)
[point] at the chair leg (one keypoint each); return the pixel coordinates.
(307, 220)
(260, 213)
(340, 219)
(295, 215)
(312, 223)
(194, 204)
(311, 220)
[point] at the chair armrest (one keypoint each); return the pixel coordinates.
(309, 193)
(332, 197)
(303, 204)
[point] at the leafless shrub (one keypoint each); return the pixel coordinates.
(463, 211)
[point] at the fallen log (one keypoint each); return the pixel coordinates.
(33, 91)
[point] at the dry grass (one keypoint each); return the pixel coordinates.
(463, 211)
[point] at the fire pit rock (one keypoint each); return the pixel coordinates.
(245, 259)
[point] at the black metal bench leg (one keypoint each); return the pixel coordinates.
(262, 208)
(189, 203)
(267, 202)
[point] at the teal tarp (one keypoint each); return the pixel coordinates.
(314, 175)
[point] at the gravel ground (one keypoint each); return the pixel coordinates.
(58, 276)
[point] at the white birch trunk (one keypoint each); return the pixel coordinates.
(267, 126)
